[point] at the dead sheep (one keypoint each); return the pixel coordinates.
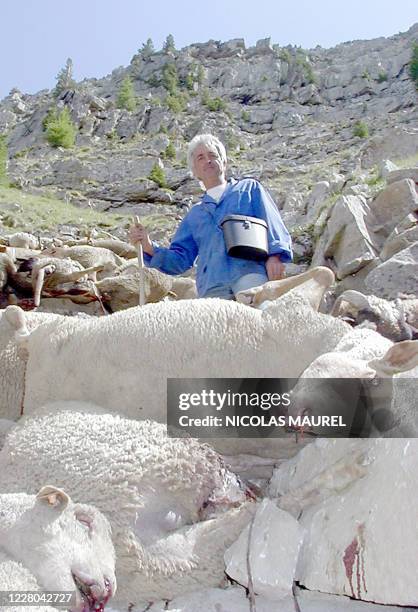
(173, 505)
(394, 319)
(48, 542)
(131, 354)
(88, 256)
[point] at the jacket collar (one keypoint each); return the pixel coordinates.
(207, 199)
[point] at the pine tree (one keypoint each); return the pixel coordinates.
(61, 131)
(170, 78)
(65, 79)
(147, 48)
(169, 46)
(126, 96)
(157, 175)
(170, 151)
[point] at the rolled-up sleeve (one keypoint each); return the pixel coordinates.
(279, 240)
(179, 256)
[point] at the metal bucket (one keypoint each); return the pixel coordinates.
(245, 237)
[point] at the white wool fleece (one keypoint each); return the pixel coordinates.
(123, 361)
(152, 488)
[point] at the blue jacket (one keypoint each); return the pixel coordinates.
(200, 234)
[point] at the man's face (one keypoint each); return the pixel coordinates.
(208, 166)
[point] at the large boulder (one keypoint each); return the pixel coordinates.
(396, 275)
(346, 239)
(397, 174)
(362, 541)
(272, 545)
(403, 236)
(392, 205)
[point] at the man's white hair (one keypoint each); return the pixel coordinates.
(210, 142)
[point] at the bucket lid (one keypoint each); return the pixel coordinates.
(243, 218)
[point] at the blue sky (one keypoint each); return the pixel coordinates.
(37, 36)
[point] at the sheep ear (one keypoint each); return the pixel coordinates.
(400, 357)
(16, 318)
(53, 496)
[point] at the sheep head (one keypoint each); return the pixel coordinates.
(66, 546)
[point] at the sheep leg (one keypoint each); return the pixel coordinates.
(77, 274)
(272, 290)
(37, 283)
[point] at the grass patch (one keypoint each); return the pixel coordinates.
(361, 129)
(32, 212)
(376, 182)
(407, 162)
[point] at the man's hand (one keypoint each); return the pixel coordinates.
(138, 233)
(275, 268)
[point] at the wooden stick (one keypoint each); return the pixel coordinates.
(141, 268)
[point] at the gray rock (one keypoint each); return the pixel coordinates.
(404, 235)
(276, 538)
(346, 238)
(356, 544)
(396, 275)
(386, 167)
(391, 206)
(397, 174)
(317, 200)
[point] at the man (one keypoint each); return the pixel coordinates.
(200, 233)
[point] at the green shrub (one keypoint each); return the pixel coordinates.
(285, 56)
(245, 115)
(170, 78)
(170, 151)
(112, 135)
(177, 102)
(155, 101)
(200, 74)
(157, 175)
(307, 68)
(382, 77)
(215, 104)
(126, 96)
(375, 181)
(189, 81)
(3, 160)
(22, 153)
(413, 64)
(310, 75)
(61, 131)
(361, 129)
(195, 75)
(51, 115)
